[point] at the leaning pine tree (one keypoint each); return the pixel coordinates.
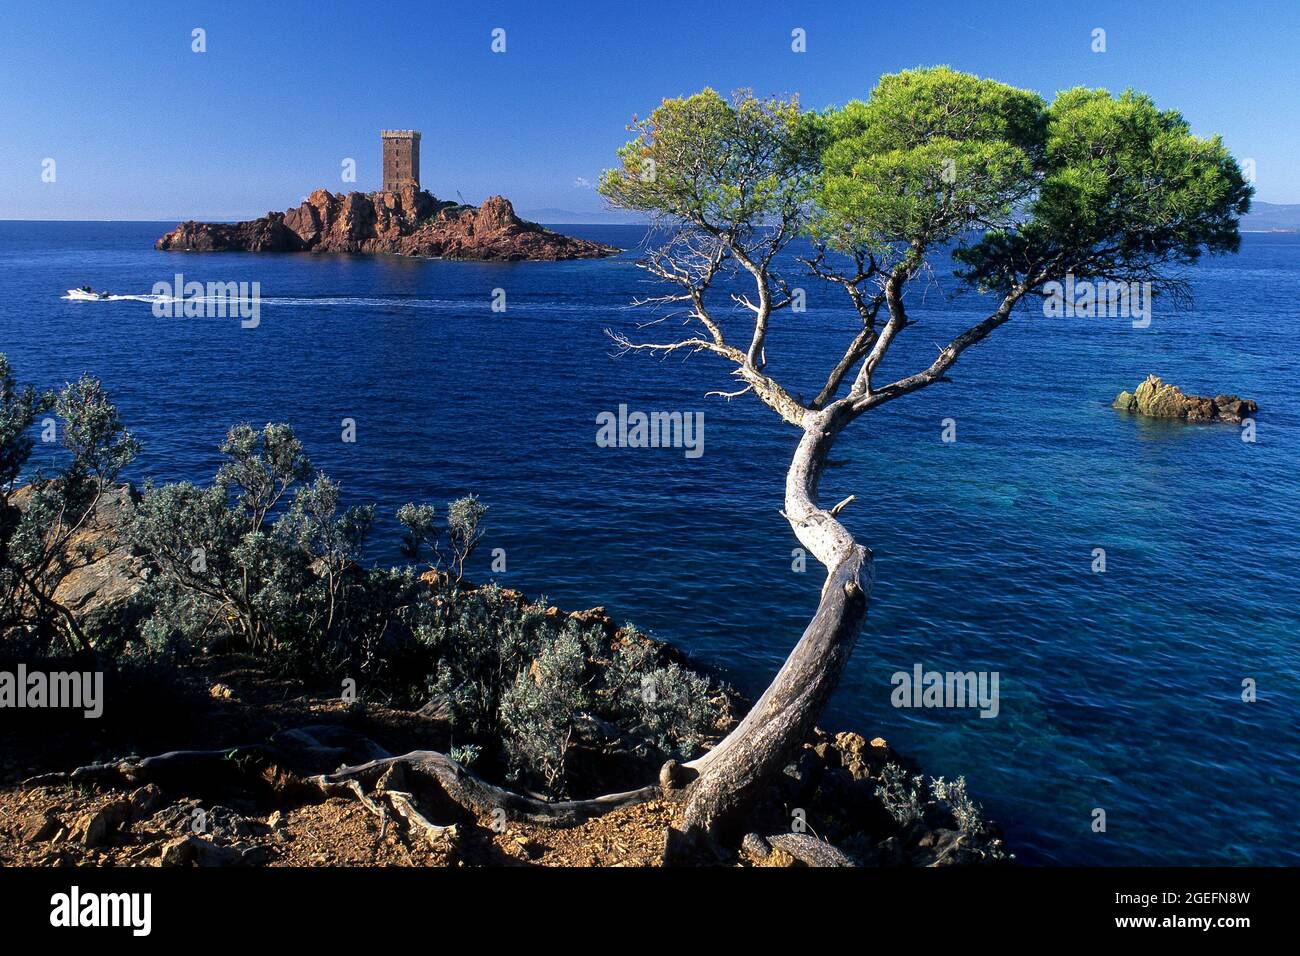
(1017, 192)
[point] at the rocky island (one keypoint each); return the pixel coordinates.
(407, 221)
(1156, 399)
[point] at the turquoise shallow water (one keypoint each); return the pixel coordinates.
(1118, 690)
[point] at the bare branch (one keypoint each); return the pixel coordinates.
(843, 504)
(947, 356)
(625, 345)
(858, 348)
(897, 322)
(730, 395)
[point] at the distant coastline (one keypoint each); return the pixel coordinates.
(1271, 217)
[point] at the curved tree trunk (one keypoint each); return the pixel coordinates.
(733, 772)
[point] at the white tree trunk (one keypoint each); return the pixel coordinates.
(734, 771)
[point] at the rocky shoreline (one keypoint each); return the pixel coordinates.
(127, 820)
(408, 222)
(69, 799)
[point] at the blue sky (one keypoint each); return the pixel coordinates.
(141, 127)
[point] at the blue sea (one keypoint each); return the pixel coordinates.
(1120, 690)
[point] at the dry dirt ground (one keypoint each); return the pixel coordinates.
(51, 827)
(230, 701)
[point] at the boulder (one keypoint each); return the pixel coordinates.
(191, 850)
(100, 573)
(755, 848)
(268, 234)
(809, 850)
(145, 801)
(1234, 409)
(861, 758)
(99, 826)
(594, 617)
(1156, 399)
(41, 828)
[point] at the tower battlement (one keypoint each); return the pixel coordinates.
(401, 158)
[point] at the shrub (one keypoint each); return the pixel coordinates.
(464, 520)
(908, 800)
(277, 574)
(967, 813)
(18, 410)
(39, 541)
(464, 531)
(671, 706)
(507, 671)
(902, 794)
(540, 707)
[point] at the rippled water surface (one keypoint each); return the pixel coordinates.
(1118, 690)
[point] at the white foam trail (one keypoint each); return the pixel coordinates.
(475, 303)
(120, 298)
(280, 300)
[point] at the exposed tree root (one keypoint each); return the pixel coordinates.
(809, 850)
(176, 769)
(377, 784)
(402, 803)
(387, 787)
(361, 797)
(478, 796)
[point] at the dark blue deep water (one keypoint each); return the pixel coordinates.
(1119, 690)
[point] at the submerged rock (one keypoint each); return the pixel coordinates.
(409, 222)
(1156, 399)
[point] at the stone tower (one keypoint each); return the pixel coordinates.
(401, 158)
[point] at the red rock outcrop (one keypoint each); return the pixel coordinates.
(410, 222)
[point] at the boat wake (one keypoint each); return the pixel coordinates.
(275, 300)
(71, 297)
(383, 302)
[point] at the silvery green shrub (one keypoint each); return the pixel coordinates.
(38, 542)
(541, 706)
(266, 556)
(420, 531)
(902, 794)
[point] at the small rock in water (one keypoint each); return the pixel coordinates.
(1156, 399)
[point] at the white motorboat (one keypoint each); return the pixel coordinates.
(87, 294)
